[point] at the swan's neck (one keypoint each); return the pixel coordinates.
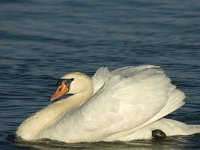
(32, 127)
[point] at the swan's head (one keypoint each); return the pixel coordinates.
(73, 83)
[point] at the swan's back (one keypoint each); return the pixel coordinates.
(124, 101)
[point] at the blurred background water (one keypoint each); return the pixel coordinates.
(43, 39)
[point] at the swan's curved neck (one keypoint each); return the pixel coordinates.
(32, 127)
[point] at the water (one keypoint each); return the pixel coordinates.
(43, 39)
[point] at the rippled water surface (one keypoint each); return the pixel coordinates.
(43, 39)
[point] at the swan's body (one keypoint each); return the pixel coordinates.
(122, 105)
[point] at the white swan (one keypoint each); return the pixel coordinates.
(125, 104)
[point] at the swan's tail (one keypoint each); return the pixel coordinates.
(168, 126)
(173, 127)
(193, 129)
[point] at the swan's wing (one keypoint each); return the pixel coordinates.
(99, 78)
(132, 98)
(173, 97)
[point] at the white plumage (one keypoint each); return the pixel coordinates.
(126, 104)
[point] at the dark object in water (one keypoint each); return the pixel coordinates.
(158, 134)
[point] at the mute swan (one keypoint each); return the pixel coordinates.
(126, 104)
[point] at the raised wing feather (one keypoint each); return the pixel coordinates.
(100, 77)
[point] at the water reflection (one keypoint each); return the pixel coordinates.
(178, 143)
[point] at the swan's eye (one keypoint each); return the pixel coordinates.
(68, 81)
(65, 81)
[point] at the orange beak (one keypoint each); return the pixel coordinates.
(61, 90)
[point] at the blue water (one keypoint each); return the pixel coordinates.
(41, 40)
